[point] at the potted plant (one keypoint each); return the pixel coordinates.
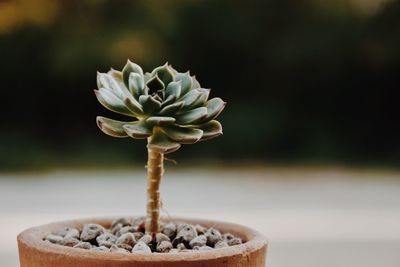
(168, 108)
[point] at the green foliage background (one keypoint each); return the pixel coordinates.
(305, 81)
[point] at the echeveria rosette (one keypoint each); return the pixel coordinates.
(170, 108)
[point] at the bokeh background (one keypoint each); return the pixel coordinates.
(305, 81)
(311, 126)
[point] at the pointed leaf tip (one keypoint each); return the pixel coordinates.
(174, 88)
(211, 130)
(164, 72)
(214, 107)
(155, 84)
(128, 69)
(196, 83)
(187, 82)
(136, 84)
(111, 127)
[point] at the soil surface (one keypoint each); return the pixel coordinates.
(128, 236)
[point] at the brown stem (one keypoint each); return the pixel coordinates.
(155, 170)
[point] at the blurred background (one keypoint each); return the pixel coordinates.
(305, 81)
(311, 125)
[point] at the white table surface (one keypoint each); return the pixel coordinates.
(312, 217)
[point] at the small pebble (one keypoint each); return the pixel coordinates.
(138, 235)
(162, 237)
(69, 242)
(185, 235)
(68, 232)
(72, 233)
(63, 231)
(201, 230)
(126, 241)
(106, 240)
(141, 247)
(140, 223)
(169, 230)
(221, 244)
(198, 241)
(180, 247)
(234, 241)
(179, 226)
(56, 239)
(114, 248)
(126, 229)
(115, 230)
(164, 246)
(121, 221)
(213, 236)
(83, 245)
(138, 220)
(227, 236)
(146, 239)
(91, 231)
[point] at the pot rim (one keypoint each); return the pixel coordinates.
(34, 238)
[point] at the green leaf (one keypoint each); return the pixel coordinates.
(147, 77)
(157, 97)
(174, 71)
(214, 108)
(111, 102)
(169, 100)
(155, 85)
(196, 83)
(117, 76)
(158, 120)
(190, 98)
(186, 80)
(201, 100)
(111, 127)
(138, 130)
(136, 84)
(210, 129)
(164, 73)
(182, 135)
(192, 116)
(171, 109)
(161, 143)
(106, 81)
(149, 104)
(128, 69)
(102, 82)
(133, 105)
(173, 88)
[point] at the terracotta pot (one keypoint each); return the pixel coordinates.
(34, 252)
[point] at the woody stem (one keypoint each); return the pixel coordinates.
(155, 170)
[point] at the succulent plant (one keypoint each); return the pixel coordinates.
(167, 107)
(170, 108)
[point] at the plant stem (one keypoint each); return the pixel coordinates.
(155, 170)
